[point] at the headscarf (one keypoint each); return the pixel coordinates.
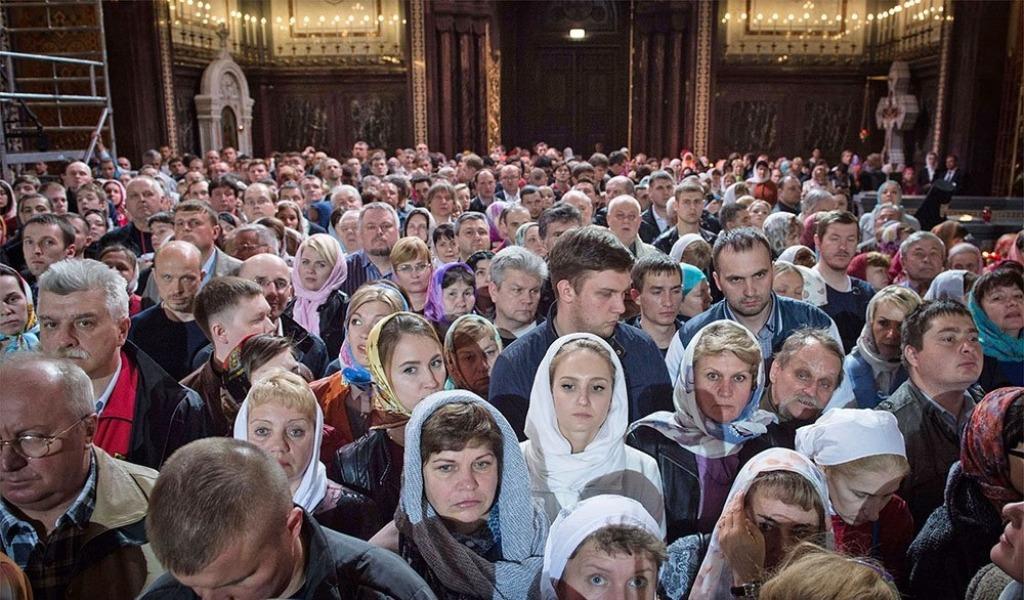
(729, 197)
(391, 412)
(304, 310)
(692, 276)
(354, 372)
(28, 337)
(493, 213)
(691, 429)
(994, 341)
(516, 523)
(12, 204)
(313, 486)
(553, 466)
(844, 435)
(521, 232)
(431, 222)
(433, 308)
(810, 228)
(947, 284)
(815, 290)
(966, 247)
(776, 228)
(789, 254)
(715, 575)
(451, 360)
(884, 370)
(576, 524)
(676, 253)
(890, 242)
(983, 453)
(119, 216)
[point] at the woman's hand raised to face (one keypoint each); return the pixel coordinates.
(742, 542)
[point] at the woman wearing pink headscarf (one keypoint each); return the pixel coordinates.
(320, 305)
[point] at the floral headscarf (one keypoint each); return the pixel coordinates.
(715, 575)
(433, 309)
(983, 453)
(450, 359)
(28, 337)
(691, 429)
(389, 411)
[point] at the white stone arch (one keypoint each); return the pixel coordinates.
(224, 86)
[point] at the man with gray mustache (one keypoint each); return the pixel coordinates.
(804, 374)
(143, 413)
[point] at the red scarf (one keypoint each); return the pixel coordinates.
(114, 429)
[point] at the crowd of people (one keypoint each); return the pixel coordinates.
(522, 375)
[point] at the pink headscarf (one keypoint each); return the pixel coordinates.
(308, 301)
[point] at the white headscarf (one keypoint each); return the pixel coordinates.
(553, 466)
(789, 254)
(843, 435)
(815, 291)
(676, 253)
(715, 575)
(691, 429)
(313, 487)
(948, 284)
(576, 524)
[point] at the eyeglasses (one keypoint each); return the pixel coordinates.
(279, 284)
(37, 446)
(408, 268)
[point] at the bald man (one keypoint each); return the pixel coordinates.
(167, 331)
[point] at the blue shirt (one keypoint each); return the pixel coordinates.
(360, 271)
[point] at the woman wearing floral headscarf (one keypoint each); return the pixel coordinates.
(18, 328)
(956, 540)
(406, 362)
(698, 446)
(466, 522)
(752, 537)
(451, 294)
(471, 346)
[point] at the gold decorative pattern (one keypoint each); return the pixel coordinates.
(419, 71)
(493, 66)
(943, 84)
(163, 29)
(702, 101)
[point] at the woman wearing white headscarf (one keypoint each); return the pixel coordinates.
(578, 414)
(698, 446)
(747, 543)
(578, 536)
(680, 246)
(280, 414)
(466, 520)
(864, 458)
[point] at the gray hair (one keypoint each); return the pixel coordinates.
(806, 336)
(265, 234)
(517, 258)
(893, 184)
(345, 189)
(812, 199)
(74, 382)
(85, 275)
(379, 206)
(914, 239)
(627, 184)
(776, 228)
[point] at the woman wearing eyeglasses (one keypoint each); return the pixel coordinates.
(410, 259)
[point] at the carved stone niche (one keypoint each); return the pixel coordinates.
(224, 102)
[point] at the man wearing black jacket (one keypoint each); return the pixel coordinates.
(143, 414)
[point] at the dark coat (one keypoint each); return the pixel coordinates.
(338, 567)
(168, 415)
(955, 542)
(367, 466)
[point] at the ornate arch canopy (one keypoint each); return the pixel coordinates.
(224, 98)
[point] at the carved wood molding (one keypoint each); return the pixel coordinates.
(702, 103)
(493, 68)
(419, 72)
(940, 101)
(163, 30)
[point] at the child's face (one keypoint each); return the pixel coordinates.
(161, 233)
(593, 574)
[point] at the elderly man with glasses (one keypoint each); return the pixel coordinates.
(71, 516)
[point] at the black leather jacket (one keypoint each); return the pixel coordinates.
(367, 466)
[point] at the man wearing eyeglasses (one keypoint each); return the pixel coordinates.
(272, 274)
(72, 517)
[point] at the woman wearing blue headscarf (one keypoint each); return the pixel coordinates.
(466, 520)
(698, 446)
